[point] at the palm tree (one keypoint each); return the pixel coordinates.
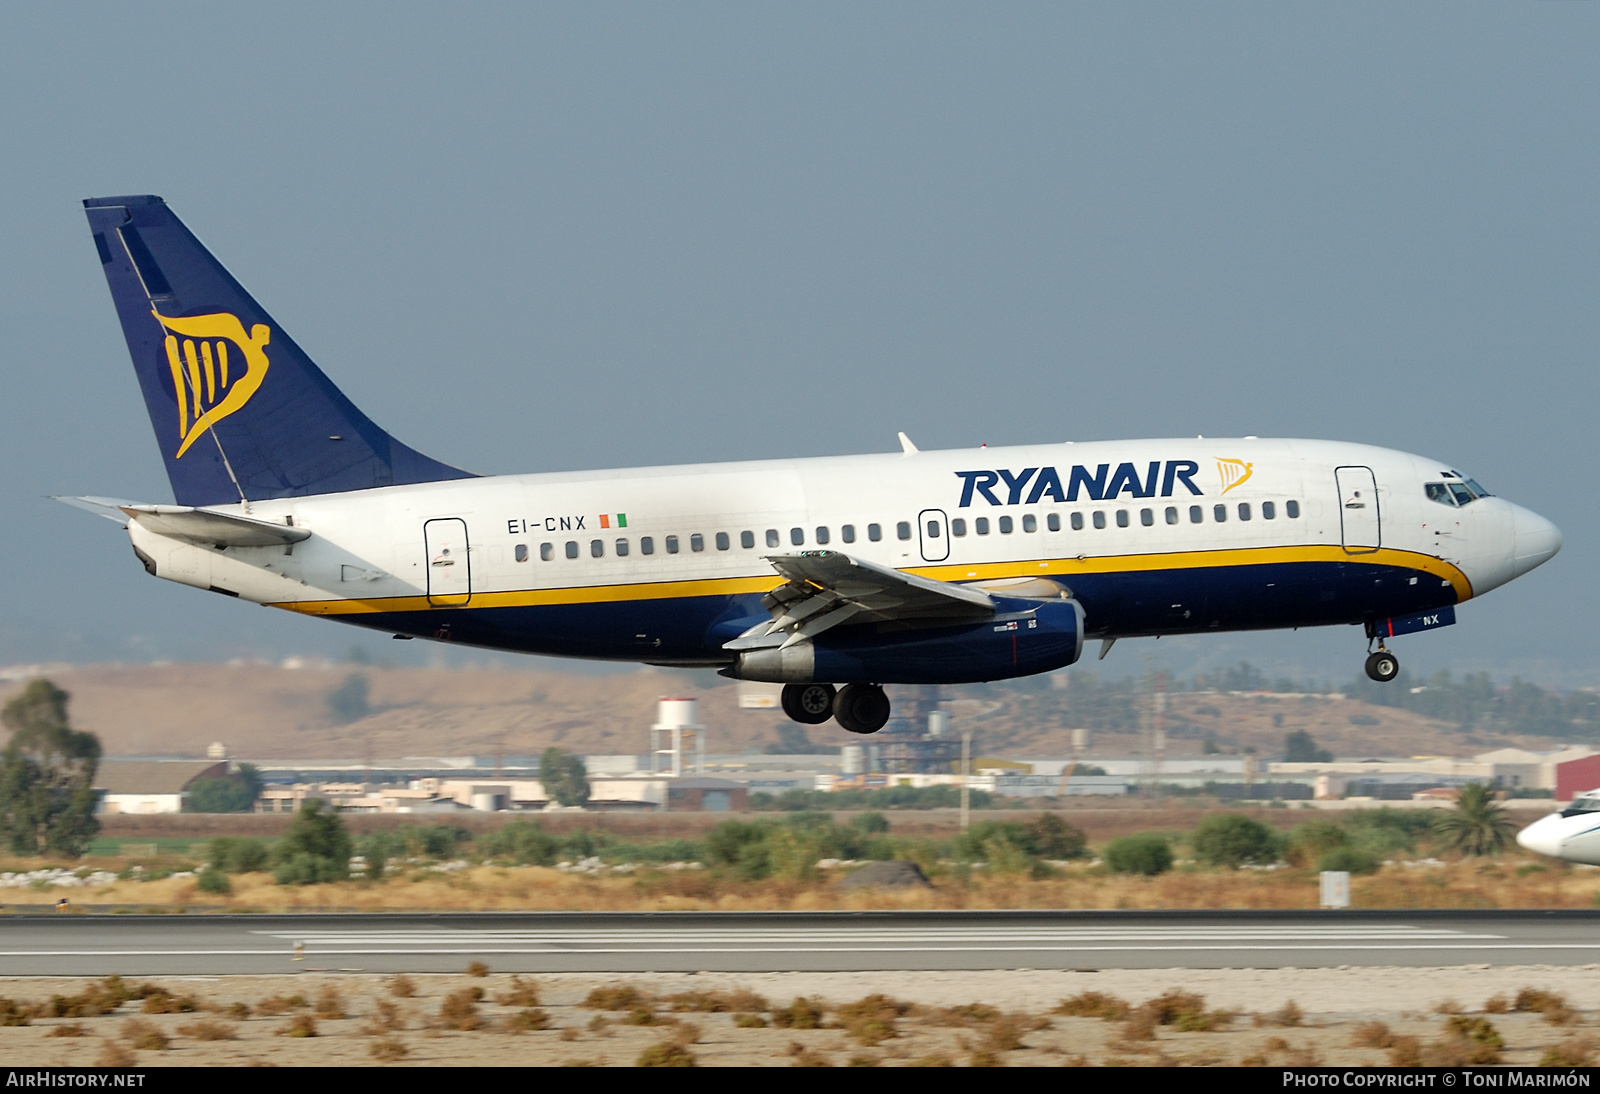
(1479, 826)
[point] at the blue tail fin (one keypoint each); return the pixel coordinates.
(239, 410)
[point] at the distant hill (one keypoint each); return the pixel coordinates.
(269, 712)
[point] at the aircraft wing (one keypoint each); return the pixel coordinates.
(827, 588)
(196, 525)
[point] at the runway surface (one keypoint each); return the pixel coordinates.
(91, 945)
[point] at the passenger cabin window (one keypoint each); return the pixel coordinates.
(547, 551)
(597, 548)
(622, 548)
(1005, 526)
(723, 542)
(1147, 517)
(1244, 510)
(1172, 514)
(1099, 519)
(747, 540)
(1030, 523)
(697, 542)
(822, 533)
(981, 525)
(1077, 522)
(958, 527)
(1053, 522)
(1269, 511)
(647, 545)
(903, 529)
(1219, 513)
(1122, 518)
(772, 537)
(522, 552)
(1291, 509)
(933, 529)
(1196, 514)
(847, 532)
(797, 536)
(874, 532)
(572, 548)
(672, 545)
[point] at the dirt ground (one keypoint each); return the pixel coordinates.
(1336, 1017)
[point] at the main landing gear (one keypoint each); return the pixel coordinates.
(859, 708)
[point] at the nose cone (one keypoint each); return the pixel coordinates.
(1543, 836)
(1537, 540)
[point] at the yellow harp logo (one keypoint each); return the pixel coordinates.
(210, 386)
(1233, 473)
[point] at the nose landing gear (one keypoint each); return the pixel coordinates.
(1383, 666)
(859, 708)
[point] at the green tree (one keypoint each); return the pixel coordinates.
(316, 847)
(1478, 825)
(348, 701)
(47, 773)
(232, 793)
(1147, 854)
(1233, 839)
(1300, 747)
(564, 777)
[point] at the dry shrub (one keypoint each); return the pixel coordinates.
(805, 1057)
(1497, 1004)
(523, 993)
(1372, 1035)
(1405, 1051)
(1288, 1015)
(387, 1050)
(717, 1002)
(92, 1002)
(616, 997)
(208, 1029)
(403, 987)
(529, 1018)
(330, 1004)
(800, 1014)
(460, 1009)
(569, 1034)
(71, 1029)
(932, 1061)
(749, 1021)
(1573, 1052)
(114, 1055)
(237, 1011)
(143, 1035)
(274, 1005)
(1184, 1011)
(1004, 1034)
(13, 1013)
(670, 1053)
(1467, 1040)
(640, 1016)
(863, 1061)
(301, 1025)
(388, 1019)
(161, 1001)
(477, 968)
(871, 1019)
(1094, 1004)
(1551, 1004)
(600, 1024)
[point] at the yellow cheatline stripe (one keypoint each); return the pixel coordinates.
(1052, 567)
(1196, 560)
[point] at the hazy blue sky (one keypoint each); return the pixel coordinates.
(538, 237)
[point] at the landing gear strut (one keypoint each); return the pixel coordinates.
(808, 704)
(861, 708)
(1383, 666)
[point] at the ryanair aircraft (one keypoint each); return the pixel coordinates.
(832, 576)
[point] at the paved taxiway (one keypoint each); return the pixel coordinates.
(93, 945)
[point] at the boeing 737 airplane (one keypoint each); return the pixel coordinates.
(833, 576)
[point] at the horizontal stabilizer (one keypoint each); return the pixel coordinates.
(196, 525)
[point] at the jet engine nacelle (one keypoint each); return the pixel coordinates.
(1030, 637)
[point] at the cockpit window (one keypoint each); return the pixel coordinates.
(1437, 491)
(1455, 490)
(1583, 803)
